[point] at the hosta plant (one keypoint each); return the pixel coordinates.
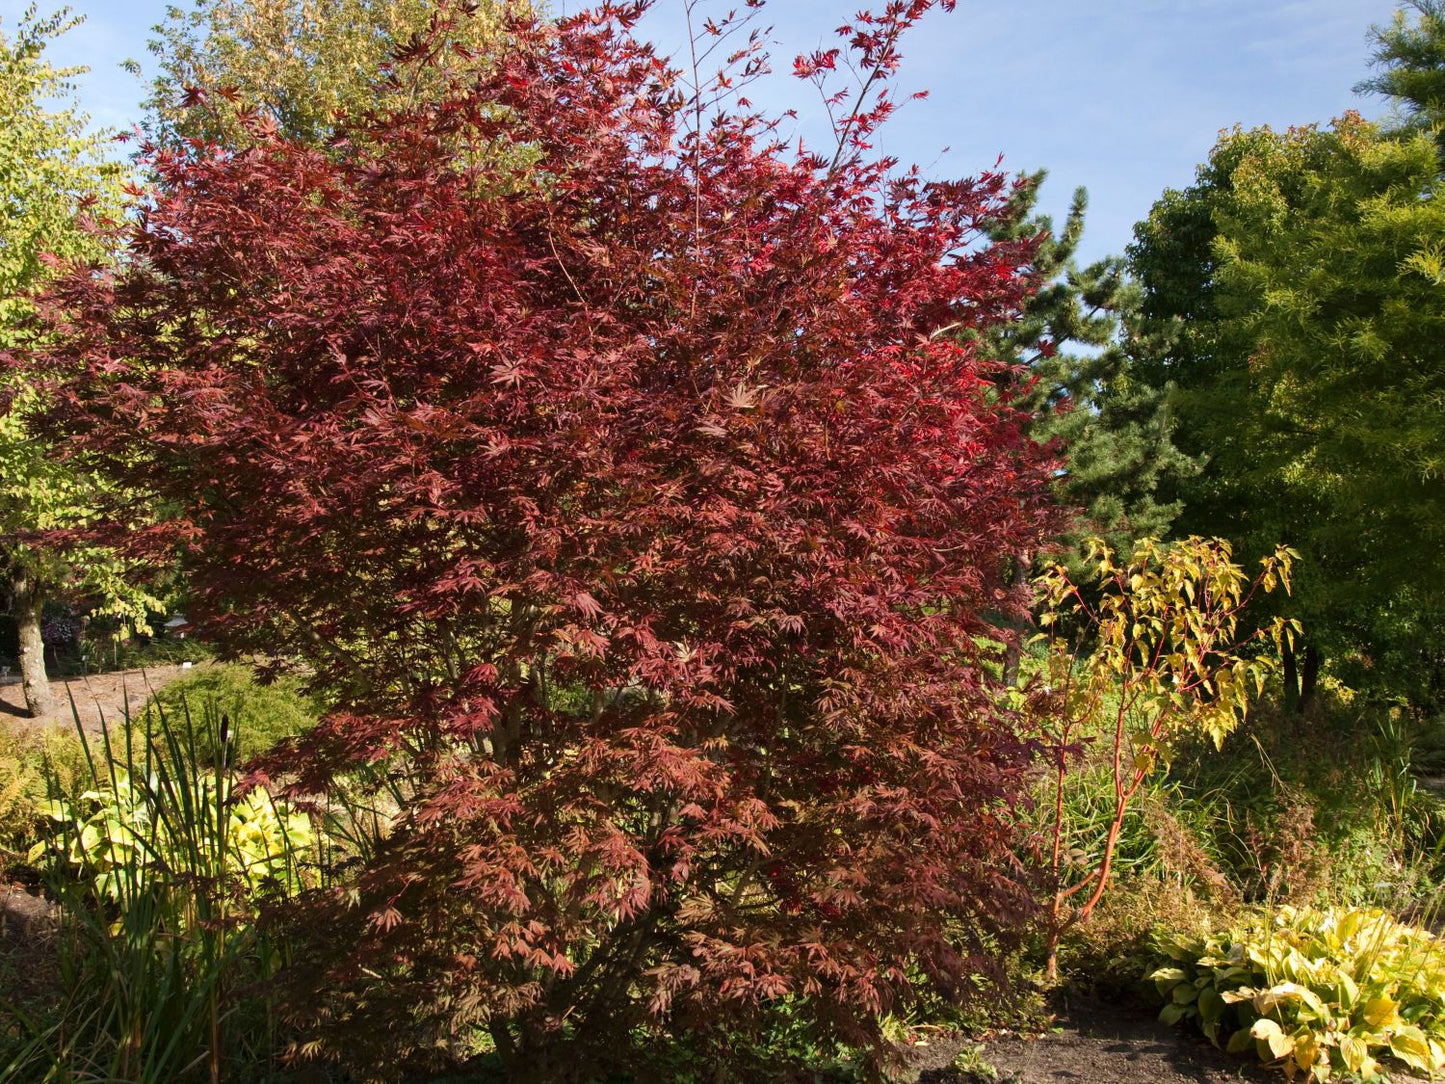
(1319, 992)
(123, 828)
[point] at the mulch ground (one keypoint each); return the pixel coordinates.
(1096, 1041)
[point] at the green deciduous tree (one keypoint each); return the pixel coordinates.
(1306, 270)
(53, 175)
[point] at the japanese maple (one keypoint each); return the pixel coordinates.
(633, 502)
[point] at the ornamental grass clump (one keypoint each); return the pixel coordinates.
(160, 870)
(1315, 991)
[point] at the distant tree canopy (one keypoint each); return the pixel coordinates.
(301, 64)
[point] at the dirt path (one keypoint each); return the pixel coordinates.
(1098, 1042)
(99, 696)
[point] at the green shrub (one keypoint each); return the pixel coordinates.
(258, 716)
(1318, 991)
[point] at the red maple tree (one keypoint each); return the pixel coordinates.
(628, 481)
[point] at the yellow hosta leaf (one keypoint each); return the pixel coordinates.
(1306, 1049)
(1349, 924)
(1354, 1053)
(1279, 1046)
(1266, 1029)
(1267, 1001)
(1347, 990)
(1380, 1012)
(1410, 1046)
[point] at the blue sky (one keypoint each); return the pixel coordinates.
(1122, 96)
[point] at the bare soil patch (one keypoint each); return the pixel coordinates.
(96, 697)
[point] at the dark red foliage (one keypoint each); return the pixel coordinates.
(633, 501)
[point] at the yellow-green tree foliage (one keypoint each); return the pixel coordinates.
(51, 167)
(1141, 654)
(303, 63)
(54, 176)
(1306, 269)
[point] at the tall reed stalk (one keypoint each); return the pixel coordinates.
(160, 959)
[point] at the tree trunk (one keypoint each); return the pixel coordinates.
(1309, 678)
(1291, 678)
(1023, 564)
(26, 602)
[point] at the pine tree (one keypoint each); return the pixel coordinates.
(1410, 58)
(1079, 340)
